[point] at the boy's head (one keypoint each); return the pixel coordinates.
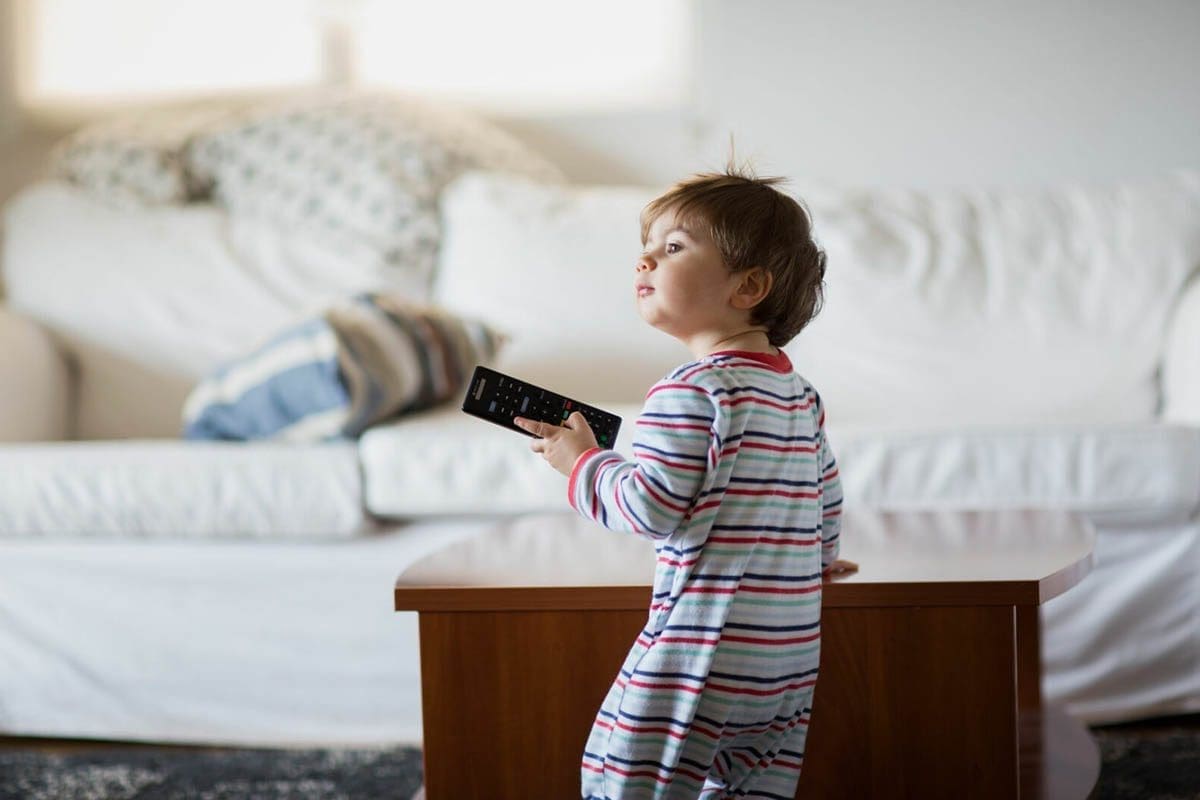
(753, 225)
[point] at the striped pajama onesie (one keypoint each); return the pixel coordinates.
(734, 482)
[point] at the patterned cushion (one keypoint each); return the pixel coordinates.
(361, 167)
(137, 159)
(363, 361)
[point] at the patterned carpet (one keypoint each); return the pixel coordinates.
(1156, 760)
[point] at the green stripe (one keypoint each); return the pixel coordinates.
(667, 433)
(807, 458)
(797, 504)
(740, 651)
(714, 697)
(761, 411)
(790, 553)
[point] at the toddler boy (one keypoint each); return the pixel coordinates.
(733, 479)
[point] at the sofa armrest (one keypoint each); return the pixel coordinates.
(35, 382)
(1181, 360)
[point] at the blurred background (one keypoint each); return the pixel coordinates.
(923, 93)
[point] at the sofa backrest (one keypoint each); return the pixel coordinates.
(1010, 306)
(942, 308)
(145, 301)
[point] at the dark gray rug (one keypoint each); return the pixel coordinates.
(149, 773)
(1157, 760)
(1151, 760)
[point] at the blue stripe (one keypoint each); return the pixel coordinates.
(671, 453)
(781, 481)
(787, 398)
(283, 399)
(777, 628)
(778, 437)
(735, 676)
(762, 528)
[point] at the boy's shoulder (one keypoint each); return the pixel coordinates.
(728, 372)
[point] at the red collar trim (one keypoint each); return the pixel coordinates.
(778, 362)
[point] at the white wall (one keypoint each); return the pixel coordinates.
(924, 93)
(932, 92)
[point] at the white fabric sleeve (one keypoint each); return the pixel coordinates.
(831, 495)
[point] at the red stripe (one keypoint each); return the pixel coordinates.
(664, 386)
(773, 493)
(687, 426)
(762, 692)
(762, 540)
(816, 587)
(661, 500)
(812, 637)
(759, 401)
(688, 467)
(780, 448)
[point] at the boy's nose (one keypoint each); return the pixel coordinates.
(644, 263)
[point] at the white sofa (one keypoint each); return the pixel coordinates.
(977, 350)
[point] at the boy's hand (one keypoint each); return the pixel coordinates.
(560, 445)
(839, 567)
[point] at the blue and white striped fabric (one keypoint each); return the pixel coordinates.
(369, 358)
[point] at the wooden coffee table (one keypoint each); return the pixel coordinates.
(930, 664)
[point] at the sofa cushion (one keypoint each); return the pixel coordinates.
(366, 359)
(147, 301)
(942, 308)
(1143, 471)
(354, 167)
(1010, 306)
(85, 490)
(136, 157)
(444, 461)
(553, 267)
(447, 462)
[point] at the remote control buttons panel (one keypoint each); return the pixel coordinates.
(514, 399)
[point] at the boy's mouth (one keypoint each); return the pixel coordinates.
(643, 290)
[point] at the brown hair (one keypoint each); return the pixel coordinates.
(753, 224)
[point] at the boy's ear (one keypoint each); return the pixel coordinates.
(754, 286)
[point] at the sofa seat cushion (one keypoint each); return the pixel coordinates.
(167, 489)
(1135, 471)
(444, 461)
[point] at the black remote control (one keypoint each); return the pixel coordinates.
(499, 398)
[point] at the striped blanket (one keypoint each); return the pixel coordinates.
(367, 359)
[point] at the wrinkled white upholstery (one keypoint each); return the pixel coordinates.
(1181, 361)
(162, 489)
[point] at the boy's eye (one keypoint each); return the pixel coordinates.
(674, 247)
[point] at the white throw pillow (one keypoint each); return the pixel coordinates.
(552, 267)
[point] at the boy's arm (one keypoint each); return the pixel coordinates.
(831, 497)
(675, 446)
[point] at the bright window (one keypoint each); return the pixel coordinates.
(83, 50)
(531, 53)
(526, 54)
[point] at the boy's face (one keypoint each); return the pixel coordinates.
(683, 286)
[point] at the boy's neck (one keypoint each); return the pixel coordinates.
(751, 340)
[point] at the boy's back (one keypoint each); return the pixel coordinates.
(724, 669)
